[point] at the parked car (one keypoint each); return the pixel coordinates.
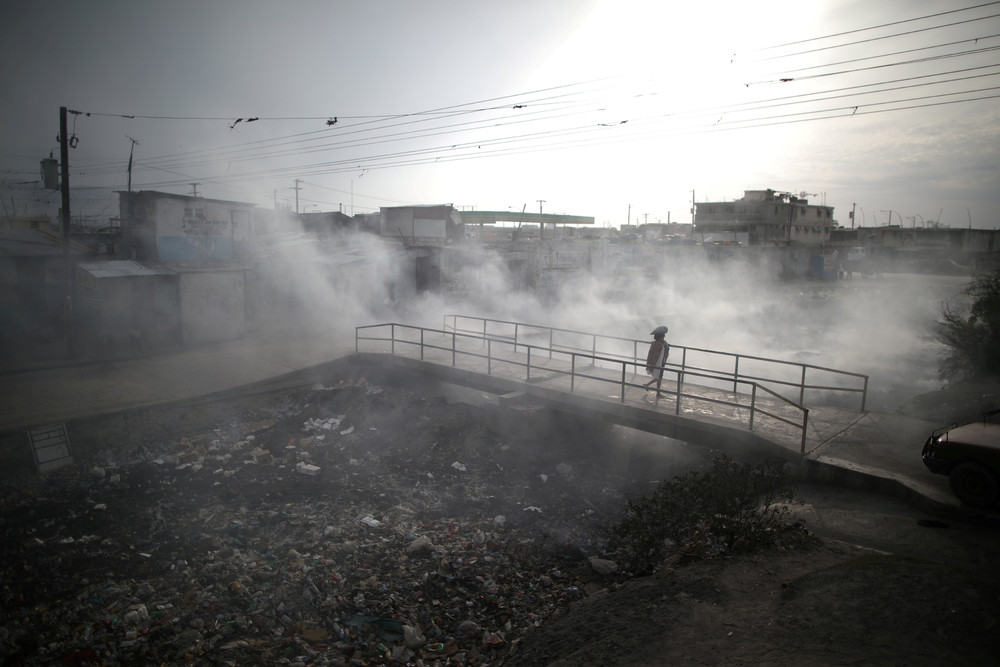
(970, 456)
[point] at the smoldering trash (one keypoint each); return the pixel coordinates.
(351, 524)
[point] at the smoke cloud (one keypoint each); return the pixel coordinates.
(737, 302)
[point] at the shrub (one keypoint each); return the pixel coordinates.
(973, 339)
(730, 507)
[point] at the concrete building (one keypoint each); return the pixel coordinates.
(35, 281)
(920, 249)
(421, 225)
(208, 243)
(163, 227)
(124, 308)
(763, 218)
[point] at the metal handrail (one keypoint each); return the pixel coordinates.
(734, 376)
(754, 406)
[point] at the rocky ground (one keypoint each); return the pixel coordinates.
(365, 525)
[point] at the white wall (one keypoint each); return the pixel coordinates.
(213, 306)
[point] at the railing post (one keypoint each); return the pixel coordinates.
(677, 407)
(516, 328)
(736, 375)
(421, 344)
(864, 395)
(753, 403)
(680, 383)
(572, 372)
(527, 377)
(805, 425)
(802, 386)
(454, 339)
(357, 341)
(623, 381)
(392, 335)
(550, 342)
(680, 376)
(489, 357)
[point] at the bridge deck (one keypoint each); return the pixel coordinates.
(698, 411)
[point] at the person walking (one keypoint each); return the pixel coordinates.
(656, 359)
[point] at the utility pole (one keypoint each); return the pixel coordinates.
(541, 225)
(194, 186)
(67, 308)
(296, 188)
(854, 207)
(130, 150)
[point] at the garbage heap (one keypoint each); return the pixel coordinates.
(352, 524)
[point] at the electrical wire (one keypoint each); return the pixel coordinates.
(556, 104)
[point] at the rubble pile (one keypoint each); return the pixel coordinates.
(354, 524)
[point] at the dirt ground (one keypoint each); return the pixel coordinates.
(811, 602)
(182, 506)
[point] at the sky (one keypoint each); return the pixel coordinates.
(624, 110)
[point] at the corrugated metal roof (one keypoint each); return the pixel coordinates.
(122, 268)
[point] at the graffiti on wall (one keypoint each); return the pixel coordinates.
(203, 227)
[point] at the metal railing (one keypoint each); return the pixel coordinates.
(737, 369)
(547, 362)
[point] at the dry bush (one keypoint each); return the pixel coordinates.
(728, 508)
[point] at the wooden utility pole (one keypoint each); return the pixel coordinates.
(130, 151)
(66, 311)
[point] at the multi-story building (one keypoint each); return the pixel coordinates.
(764, 217)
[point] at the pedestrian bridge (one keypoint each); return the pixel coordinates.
(709, 396)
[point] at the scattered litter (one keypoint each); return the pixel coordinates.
(307, 469)
(218, 554)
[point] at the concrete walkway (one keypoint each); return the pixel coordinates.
(873, 451)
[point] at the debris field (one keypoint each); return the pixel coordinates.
(346, 525)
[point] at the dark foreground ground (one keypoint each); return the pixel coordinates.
(364, 525)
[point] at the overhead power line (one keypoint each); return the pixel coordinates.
(583, 114)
